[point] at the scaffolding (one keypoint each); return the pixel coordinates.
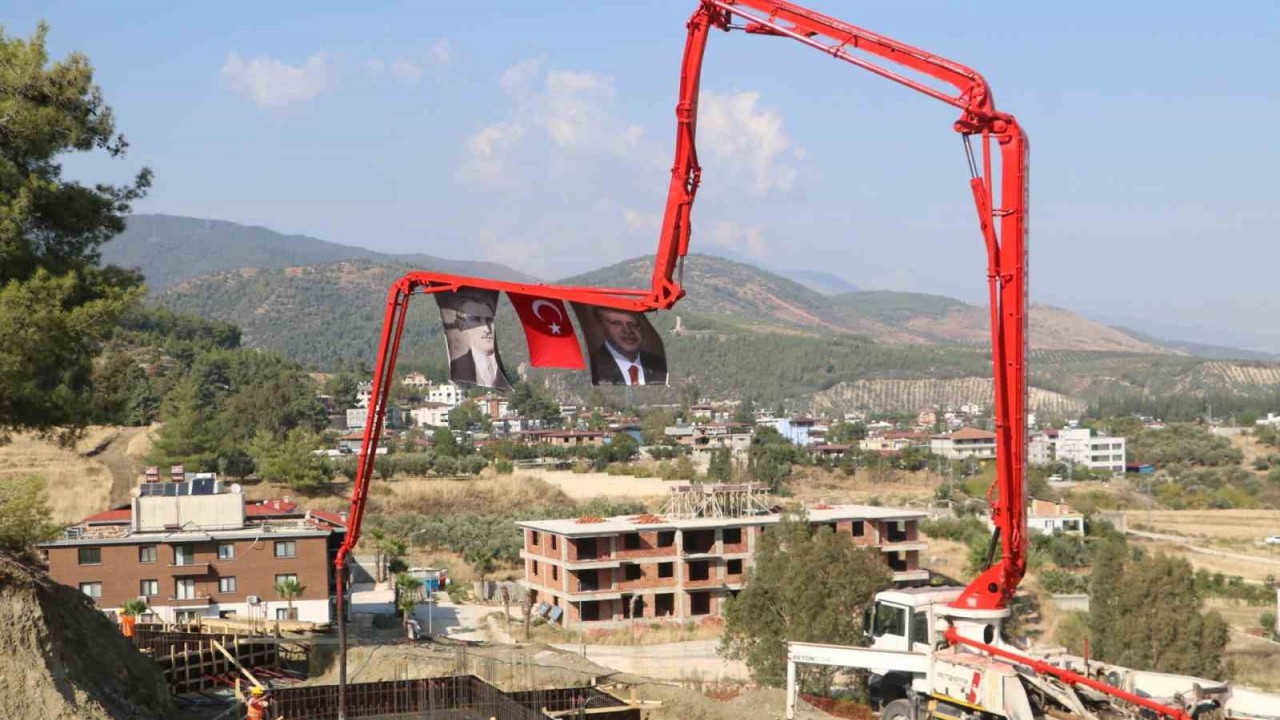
(716, 500)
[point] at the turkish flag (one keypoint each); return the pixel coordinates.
(552, 342)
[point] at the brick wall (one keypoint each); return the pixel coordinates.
(254, 567)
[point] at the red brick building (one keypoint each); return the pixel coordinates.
(600, 571)
(192, 549)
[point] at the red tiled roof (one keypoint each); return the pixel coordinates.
(268, 508)
(968, 433)
(354, 435)
(111, 516)
(332, 518)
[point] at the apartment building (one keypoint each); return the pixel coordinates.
(684, 566)
(964, 443)
(1097, 452)
(192, 548)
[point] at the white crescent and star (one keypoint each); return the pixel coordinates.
(552, 325)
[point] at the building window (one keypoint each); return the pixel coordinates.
(188, 617)
(149, 588)
(859, 528)
(664, 605)
(699, 570)
(89, 556)
(286, 578)
(555, 572)
(92, 589)
(631, 572)
(533, 569)
(147, 554)
(183, 555)
(554, 544)
(226, 551)
(286, 548)
(666, 570)
(185, 589)
(666, 538)
(732, 536)
(533, 538)
(227, 584)
(285, 613)
(733, 567)
(631, 541)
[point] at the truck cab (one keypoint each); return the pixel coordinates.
(904, 621)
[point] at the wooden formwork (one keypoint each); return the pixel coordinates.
(191, 661)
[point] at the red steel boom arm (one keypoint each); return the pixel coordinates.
(1003, 226)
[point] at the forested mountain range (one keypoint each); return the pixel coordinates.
(170, 249)
(838, 352)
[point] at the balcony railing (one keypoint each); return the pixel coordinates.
(190, 602)
(190, 569)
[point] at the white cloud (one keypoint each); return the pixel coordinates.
(406, 71)
(743, 137)
(518, 77)
(441, 53)
(571, 110)
(409, 69)
(272, 83)
(635, 220)
(746, 239)
(488, 149)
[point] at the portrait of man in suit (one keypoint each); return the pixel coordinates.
(467, 316)
(625, 349)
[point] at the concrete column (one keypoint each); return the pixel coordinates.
(791, 689)
(681, 568)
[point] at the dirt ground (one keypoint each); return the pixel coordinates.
(62, 659)
(77, 485)
(1236, 534)
(892, 488)
(585, 486)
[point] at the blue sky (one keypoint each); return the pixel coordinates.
(539, 134)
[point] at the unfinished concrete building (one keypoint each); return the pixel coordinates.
(683, 563)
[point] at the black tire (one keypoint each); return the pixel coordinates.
(897, 710)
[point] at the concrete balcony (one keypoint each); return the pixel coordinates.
(190, 602)
(190, 569)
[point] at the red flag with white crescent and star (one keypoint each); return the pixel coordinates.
(547, 329)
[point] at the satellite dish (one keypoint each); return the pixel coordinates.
(235, 488)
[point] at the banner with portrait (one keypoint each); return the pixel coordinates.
(623, 346)
(468, 319)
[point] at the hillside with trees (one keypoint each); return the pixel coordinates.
(168, 249)
(878, 350)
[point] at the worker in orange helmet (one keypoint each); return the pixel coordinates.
(257, 704)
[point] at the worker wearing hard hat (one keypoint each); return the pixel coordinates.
(257, 704)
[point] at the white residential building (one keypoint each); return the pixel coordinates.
(416, 380)
(1048, 517)
(1100, 453)
(964, 443)
(447, 393)
(432, 414)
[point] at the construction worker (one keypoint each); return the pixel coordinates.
(257, 704)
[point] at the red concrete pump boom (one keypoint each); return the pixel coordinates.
(1003, 225)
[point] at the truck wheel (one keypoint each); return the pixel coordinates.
(897, 710)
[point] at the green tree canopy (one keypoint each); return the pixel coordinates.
(292, 460)
(24, 513)
(805, 586)
(1148, 614)
(56, 304)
